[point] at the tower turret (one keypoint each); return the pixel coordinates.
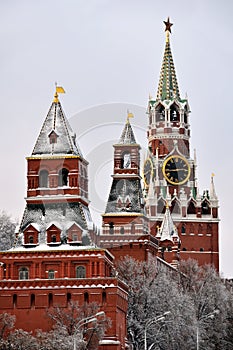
(171, 173)
(57, 192)
(168, 113)
(124, 217)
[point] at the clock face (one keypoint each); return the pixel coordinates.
(176, 170)
(147, 171)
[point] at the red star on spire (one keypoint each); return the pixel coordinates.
(168, 25)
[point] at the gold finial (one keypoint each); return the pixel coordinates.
(129, 115)
(55, 97)
(167, 205)
(212, 175)
(168, 25)
(59, 90)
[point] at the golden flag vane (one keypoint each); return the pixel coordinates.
(59, 90)
(129, 115)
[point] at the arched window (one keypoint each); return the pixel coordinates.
(50, 299)
(183, 228)
(32, 301)
(174, 113)
(111, 228)
(53, 239)
(31, 239)
(43, 178)
(122, 230)
(68, 298)
(51, 274)
(126, 160)
(191, 208)
(160, 113)
(14, 301)
(80, 272)
(175, 207)
(104, 297)
(205, 207)
(63, 177)
(23, 273)
(161, 206)
(86, 297)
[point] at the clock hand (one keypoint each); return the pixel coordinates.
(172, 170)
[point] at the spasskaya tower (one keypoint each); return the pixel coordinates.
(170, 172)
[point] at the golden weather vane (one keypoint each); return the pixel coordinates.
(59, 90)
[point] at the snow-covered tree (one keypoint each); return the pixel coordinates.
(14, 339)
(177, 309)
(55, 339)
(75, 324)
(7, 322)
(79, 327)
(21, 340)
(158, 309)
(7, 231)
(213, 304)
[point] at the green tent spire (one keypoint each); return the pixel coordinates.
(168, 87)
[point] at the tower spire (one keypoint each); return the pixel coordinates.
(127, 136)
(212, 188)
(168, 86)
(168, 230)
(56, 135)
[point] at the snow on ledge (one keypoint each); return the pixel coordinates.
(109, 342)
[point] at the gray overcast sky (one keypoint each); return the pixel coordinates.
(109, 53)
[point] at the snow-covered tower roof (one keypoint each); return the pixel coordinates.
(127, 136)
(57, 125)
(167, 231)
